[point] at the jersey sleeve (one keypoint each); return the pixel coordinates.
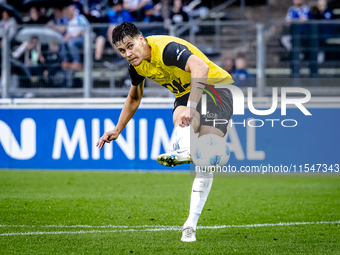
(176, 54)
(136, 79)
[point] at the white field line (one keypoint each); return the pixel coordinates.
(89, 231)
(81, 226)
(151, 228)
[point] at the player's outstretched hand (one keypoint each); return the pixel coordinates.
(107, 138)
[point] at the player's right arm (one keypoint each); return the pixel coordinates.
(130, 107)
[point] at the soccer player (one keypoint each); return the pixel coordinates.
(186, 72)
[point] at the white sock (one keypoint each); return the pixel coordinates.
(199, 194)
(183, 136)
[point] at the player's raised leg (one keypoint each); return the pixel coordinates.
(184, 134)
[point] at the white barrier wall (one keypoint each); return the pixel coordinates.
(61, 134)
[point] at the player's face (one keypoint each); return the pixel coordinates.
(132, 49)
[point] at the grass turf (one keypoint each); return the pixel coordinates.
(31, 200)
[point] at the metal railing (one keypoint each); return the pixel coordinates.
(301, 49)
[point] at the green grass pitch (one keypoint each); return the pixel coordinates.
(75, 212)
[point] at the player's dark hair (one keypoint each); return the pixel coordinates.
(124, 29)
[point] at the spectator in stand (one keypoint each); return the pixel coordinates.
(241, 76)
(43, 15)
(8, 23)
(58, 17)
(58, 21)
(314, 13)
(97, 15)
(161, 11)
(298, 12)
(79, 6)
(135, 7)
(177, 15)
(116, 15)
(229, 65)
(151, 14)
(74, 38)
(325, 11)
(322, 31)
(52, 68)
(321, 11)
(95, 12)
(35, 18)
(34, 59)
(198, 8)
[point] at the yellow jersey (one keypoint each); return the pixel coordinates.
(167, 65)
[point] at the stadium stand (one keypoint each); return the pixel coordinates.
(222, 31)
